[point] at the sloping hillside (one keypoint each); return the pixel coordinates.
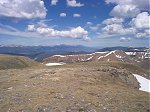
(145, 64)
(15, 62)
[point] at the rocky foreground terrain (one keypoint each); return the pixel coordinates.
(80, 87)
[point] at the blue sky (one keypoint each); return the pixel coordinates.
(95, 23)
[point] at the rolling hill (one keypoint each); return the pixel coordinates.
(16, 62)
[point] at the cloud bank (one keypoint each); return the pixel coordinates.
(76, 33)
(22, 9)
(130, 18)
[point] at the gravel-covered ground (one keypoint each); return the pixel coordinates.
(67, 89)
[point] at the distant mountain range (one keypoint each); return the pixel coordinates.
(126, 49)
(41, 52)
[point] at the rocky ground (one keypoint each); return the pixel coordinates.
(71, 89)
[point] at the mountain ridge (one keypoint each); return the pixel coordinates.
(116, 55)
(40, 52)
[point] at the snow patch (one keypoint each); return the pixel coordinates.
(89, 58)
(109, 53)
(130, 53)
(100, 57)
(99, 52)
(59, 56)
(118, 56)
(54, 64)
(144, 83)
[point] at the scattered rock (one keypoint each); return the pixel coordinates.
(44, 108)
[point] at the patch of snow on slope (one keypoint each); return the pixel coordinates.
(59, 56)
(54, 64)
(144, 83)
(130, 53)
(82, 60)
(100, 57)
(96, 53)
(118, 56)
(89, 58)
(99, 52)
(109, 53)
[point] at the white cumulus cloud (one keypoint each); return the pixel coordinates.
(125, 39)
(142, 20)
(76, 33)
(141, 4)
(125, 11)
(73, 3)
(141, 35)
(54, 2)
(63, 15)
(114, 20)
(89, 23)
(30, 28)
(118, 29)
(113, 28)
(130, 17)
(26, 9)
(94, 27)
(76, 15)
